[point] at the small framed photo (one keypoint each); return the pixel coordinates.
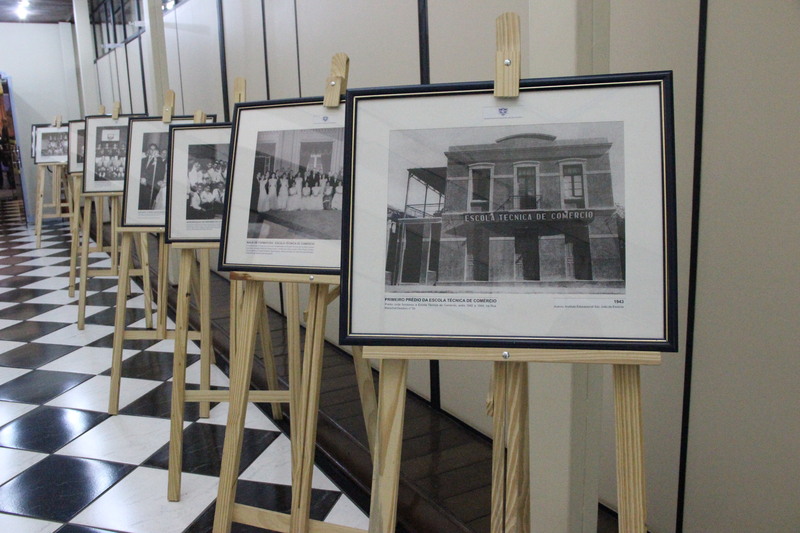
(77, 143)
(51, 144)
(145, 192)
(284, 208)
(197, 180)
(546, 221)
(105, 155)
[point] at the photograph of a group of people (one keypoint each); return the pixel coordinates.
(207, 176)
(297, 184)
(152, 193)
(110, 153)
(54, 144)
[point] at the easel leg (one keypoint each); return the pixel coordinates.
(518, 459)
(294, 363)
(312, 377)
(162, 287)
(241, 369)
(87, 221)
(179, 377)
(147, 287)
(499, 404)
(268, 357)
(366, 391)
(630, 455)
(388, 445)
(119, 324)
(200, 288)
(116, 213)
(40, 174)
(75, 231)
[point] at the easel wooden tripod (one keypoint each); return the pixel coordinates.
(304, 380)
(60, 185)
(511, 469)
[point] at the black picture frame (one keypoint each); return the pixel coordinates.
(545, 221)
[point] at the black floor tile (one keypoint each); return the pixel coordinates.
(150, 365)
(106, 299)
(58, 487)
(47, 429)
(13, 259)
(74, 528)
(108, 316)
(40, 386)
(158, 404)
(25, 311)
(108, 342)
(29, 331)
(23, 295)
(202, 449)
(15, 271)
(33, 355)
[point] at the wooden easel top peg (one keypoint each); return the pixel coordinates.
(115, 110)
(169, 106)
(239, 90)
(508, 57)
(101, 109)
(57, 121)
(199, 117)
(336, 83)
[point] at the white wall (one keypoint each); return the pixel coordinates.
(33, 56)
(743, 471)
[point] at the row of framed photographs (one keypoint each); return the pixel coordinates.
(453, 218)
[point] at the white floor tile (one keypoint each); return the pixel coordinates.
(137, 302)
(274, 466)
(86, 360)
(45, 261)
(72, 336)
(49, 284)
(6, 346)
(6, 289)
(60, 297)
(7, 374)
(138, 503)
(40, 252)
(345, 513)
(122, 439)
(135, 289)
(92, 394)
(254, 418)
(22, 524)
(4, 277)
(12, 462)
(218, 378)
(67, 313)
(4, 323)
(168, 345)
(32, 245)
(47, 271)
(13, 410)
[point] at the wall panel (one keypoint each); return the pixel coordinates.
(463, 38)
(244, 48)
(279, 20)
(123, 84)
(135, 66)
(198, 45)
(173, 61)
(104, 78)
(381, 39)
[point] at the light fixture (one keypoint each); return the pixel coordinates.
(25, 3)
(22, 11)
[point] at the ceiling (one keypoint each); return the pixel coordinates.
(41, 11)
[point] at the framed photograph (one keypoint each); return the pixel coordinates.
(284, 208)
(34, 127)
(544, 221)
(197, 179)
(144, 191)
(105, 153)
(51, 144)
(77, 143)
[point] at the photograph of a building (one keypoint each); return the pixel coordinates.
(528, 212)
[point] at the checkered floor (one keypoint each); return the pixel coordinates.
(65, 464)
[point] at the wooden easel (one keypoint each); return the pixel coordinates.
(189, 272)
(60, 186)
(160, 332)
(509, 403)
(98, 198)
(304, 380)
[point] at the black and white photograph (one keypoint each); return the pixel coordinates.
(197, 181)
(77, 141)
(51, 144)
(288, 187)
(106, 152)
(539, 221)
(145, 192)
